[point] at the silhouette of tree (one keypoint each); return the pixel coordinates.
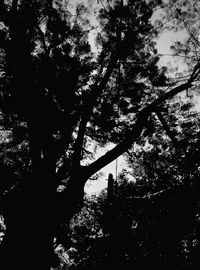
(159, 229)
(58, 98)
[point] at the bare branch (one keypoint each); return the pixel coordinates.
(151, 195)
(177, 55)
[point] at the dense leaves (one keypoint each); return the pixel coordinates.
(59, 100)
(159, 229)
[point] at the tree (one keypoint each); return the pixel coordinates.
(158, 229)
(54, 95)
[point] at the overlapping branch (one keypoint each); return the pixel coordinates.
(137, 128)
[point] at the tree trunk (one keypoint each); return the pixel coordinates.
(34, 213)
(28, 242)
(32, 219)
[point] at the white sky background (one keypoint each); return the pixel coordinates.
(163, 45)
(114, 167)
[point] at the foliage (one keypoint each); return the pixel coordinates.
(159, 230)
(59, 99)
(168, 153)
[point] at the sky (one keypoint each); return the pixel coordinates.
(114, 168)
(163, 46)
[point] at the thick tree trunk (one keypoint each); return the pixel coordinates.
(34, 213)
(30, 214)
(32, 219)
(28, 242)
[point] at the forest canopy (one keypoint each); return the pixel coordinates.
(62, 97)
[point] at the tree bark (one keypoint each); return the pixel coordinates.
(30, 213)
(28, 242)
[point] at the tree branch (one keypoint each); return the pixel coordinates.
(43, 41)
(135, 131)
(118, 150)
(98, 88)
(87, 109)
(166, 127)
(151, 195)
(79, 143)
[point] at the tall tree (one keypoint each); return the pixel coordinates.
(55, 93)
